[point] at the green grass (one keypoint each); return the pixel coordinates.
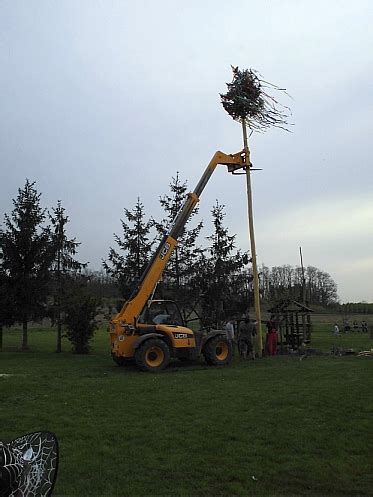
(324, 339)
(273, 427)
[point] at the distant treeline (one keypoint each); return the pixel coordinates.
(309, 284)
(356, 308)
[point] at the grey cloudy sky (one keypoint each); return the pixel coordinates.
(103, 101)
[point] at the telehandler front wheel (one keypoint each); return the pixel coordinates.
(152, 355)
(218, 351)
(120, 361)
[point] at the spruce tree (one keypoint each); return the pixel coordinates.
(6, 314)
(7, 311)
(220, 273)
(27, 257)
(2, 293)
(64, 265)
(127, 265)
(181, 268)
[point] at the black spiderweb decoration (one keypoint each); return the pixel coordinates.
(28, 465)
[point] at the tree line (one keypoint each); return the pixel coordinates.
(310, 284)
(39, 274)
(41, 277)
(356, 308)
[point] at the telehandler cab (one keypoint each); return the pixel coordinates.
(151, 332)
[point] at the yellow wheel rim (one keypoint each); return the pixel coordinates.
(154, 357)
(222, 351)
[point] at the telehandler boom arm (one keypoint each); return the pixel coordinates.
(152, 274)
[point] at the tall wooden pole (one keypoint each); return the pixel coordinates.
(252, 243)
(306, 327)
(303, 279)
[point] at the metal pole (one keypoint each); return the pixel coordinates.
(252, 243)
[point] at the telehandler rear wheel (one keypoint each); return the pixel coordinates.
(152, 355)
(218, 351)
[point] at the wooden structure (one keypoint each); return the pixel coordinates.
(293, 321)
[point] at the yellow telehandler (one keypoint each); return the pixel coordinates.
(151, 332)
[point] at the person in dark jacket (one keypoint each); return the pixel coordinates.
(246, 331)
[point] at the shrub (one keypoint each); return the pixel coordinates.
(80, 323)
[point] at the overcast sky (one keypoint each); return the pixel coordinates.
(103, 101)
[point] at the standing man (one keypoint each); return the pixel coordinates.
(246, 330)
(229, 329)
(347, 326)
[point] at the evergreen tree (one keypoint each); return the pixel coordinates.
(221, 271)
(7, 312)
(182, 266)
(2, 294)
(79, 318)
(28, 254)
(128, 265)
(64, 265)
(5, 302)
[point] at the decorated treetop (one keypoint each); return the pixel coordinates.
(247, 101)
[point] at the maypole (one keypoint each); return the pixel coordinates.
(248, 103)
(252, 243)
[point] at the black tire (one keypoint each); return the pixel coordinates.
(120, 361)
(153, 355)
(218, 351)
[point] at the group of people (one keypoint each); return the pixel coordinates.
(246, 332)
(347, 328)
(244, 336)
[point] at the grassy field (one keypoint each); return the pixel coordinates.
(276, 426)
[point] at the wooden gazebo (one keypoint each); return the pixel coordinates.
(293, 322)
